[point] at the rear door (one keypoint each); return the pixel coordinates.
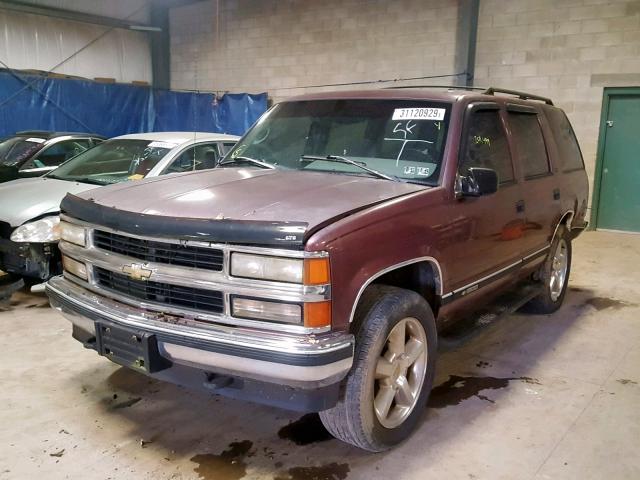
(541, 192)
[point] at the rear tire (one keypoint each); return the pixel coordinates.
(554, 275)
(387, 388)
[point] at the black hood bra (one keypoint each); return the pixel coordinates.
(289, 235)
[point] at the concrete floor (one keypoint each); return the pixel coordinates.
(528, 398)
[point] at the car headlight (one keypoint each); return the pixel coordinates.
(262, 267)
(73, 233)
(310, 271)
(41, 231)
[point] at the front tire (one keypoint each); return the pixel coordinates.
(387, 389)
(554, 276)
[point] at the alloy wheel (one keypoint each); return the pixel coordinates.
(400, 372)
(559, 264)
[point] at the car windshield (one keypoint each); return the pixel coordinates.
(397, 139)
(113, 161)
(14, 150)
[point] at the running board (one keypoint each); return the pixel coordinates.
(466, 329)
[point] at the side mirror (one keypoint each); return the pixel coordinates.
(480, 181)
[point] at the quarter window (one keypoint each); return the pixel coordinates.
(486, 145)
(532, 151)
(568, 148)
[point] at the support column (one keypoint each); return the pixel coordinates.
(466, 36)
(160, 46)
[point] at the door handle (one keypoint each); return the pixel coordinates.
(556, 194)
(520, 206)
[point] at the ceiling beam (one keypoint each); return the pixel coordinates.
(24, 7)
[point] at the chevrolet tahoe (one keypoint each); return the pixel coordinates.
(315, 267)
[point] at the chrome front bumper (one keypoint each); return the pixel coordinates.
(304, 361)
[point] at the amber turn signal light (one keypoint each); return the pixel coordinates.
(317, 314)
(316, 271)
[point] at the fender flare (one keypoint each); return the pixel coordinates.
(431, 260)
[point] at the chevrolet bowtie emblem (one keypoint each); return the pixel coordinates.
(137, 271)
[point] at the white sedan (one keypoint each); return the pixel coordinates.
(29, 207)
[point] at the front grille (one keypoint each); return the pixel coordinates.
(163, 293)
(160, 252)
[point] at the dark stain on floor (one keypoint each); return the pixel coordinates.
(228, 465)
(39, 305)
(331, 471)
(458, 388)
(125, 403)
(577, 289)
(602, 303)
(626, 381)
(307, 429)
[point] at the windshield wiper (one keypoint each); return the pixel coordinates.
(260, 163)
(348, 161)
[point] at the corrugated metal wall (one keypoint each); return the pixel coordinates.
(38, 42)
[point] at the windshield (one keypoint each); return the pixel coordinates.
(113, 161)
(402, 139)
(14, 150)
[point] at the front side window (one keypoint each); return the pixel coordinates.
(199, 157)
(527, 136)
(113, 161)
(57, 153)
(485, 145)
(402, 139)
(15, 150)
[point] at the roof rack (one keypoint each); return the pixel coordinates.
(452, 87)
(520, 95)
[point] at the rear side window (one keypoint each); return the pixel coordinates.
(568, 148)
(532, 151)
(486, 145)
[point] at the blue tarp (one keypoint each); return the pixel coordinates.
(116, 109)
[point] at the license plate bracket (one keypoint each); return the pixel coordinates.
(130, 347)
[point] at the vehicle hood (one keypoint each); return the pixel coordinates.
(275, 195)
(27, 198)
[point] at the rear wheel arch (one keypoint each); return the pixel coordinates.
(565, 220)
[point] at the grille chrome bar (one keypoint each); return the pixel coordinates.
(190, 277)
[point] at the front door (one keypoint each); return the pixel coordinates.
(619, 200)
(493, 239)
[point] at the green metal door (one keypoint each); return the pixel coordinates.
(619, 196)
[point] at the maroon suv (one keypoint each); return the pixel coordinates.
(315, 267)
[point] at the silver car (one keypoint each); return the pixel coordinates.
(29, 208)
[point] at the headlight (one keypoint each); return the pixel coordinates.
(74, 267)
(262, 267)
(40, 231)
(310, 271)
(72, 233)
